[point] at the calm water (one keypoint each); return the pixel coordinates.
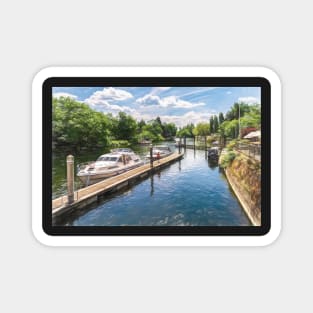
(59, 166)
(189, 192)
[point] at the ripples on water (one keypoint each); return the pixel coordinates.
(186, 193)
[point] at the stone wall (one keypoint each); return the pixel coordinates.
(244, 176)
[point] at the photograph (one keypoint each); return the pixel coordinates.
(156, 156)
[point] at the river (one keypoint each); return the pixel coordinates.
(189, 192)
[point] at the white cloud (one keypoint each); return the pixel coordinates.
(64, 94)
(187, 118)
(248, 100)
(175, 102)
(157, 90)
(149, 100)
(198, 91)
(105, 106)
(100, 100)
(179, 120)
(110, 94)
(167, 102)
(228, 92)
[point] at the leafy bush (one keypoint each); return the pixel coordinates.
(227, 159)
(244, 141)
(120, 143)
(231, 145)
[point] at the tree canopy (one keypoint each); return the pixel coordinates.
(186, 131)
(202, 129)
(76, 124)
(250, 116)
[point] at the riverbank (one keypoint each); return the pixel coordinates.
(244, 177)
(189, 192)
(59, 155)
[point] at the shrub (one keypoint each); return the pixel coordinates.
(227, 159)
(231, 145)
(120, 143)
(244, 141)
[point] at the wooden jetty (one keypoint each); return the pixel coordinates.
(90, 194)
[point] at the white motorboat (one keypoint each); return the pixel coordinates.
(162, 151)
(107, 165)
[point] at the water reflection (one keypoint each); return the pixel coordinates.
(193, 192)
(152, 185)
(213, 163)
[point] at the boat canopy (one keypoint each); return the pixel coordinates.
(108, 157)
(121, 150)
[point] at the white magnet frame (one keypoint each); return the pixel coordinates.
(276, 142)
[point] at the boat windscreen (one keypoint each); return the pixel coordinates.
(107, 158)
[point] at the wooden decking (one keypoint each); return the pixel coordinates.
(89, 194)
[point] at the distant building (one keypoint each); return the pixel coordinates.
(253, 136)
(246, 130)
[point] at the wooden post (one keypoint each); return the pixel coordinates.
(205, 148)
(179, 145)
(70, 178)
(151, 156)
(185, 142)
(194, 142)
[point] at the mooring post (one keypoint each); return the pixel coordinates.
(194, 142)
(179, 145)
(205, 148)
(151, 156)
(185, 142)
(70, 178)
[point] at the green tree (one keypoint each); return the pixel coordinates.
(186, 131)
(229, 129)
(141, 124)
(215, 124)
(202, 129)
(169, 130)
(75, 124)
(252, 118)
(125, 128)
(229, 115)
(212, 124)
(221, 118)
(152, 131)
(158, 120)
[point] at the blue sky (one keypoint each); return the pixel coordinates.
(180, 105)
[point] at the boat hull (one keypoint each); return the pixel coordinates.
(92, 178)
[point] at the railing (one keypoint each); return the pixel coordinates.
(250, 149)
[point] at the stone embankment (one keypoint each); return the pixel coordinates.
(244, 176)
